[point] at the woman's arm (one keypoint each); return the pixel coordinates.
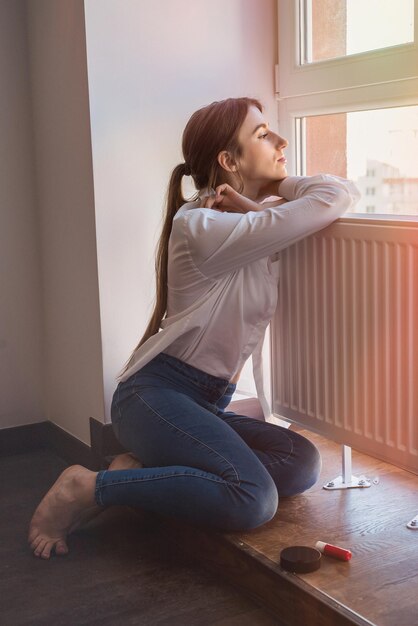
(221, 242)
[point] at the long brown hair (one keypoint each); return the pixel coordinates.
(209, 131)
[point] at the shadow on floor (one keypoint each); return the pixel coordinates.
(120, 569)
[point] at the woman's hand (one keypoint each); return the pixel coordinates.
(226, 199)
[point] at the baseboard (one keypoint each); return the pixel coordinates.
(24, 439)
(70, 448)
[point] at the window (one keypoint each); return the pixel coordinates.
(378, 149)
(348, 95)
(346, 27)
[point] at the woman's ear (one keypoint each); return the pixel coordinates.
(226, 161)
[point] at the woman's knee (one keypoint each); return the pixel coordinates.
(258, 505)
(265, 508)
(307, 467)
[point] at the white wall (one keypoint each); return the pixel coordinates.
(151, 63)
(20, 277)
(72, 364)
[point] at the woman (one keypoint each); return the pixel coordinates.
(216, 293)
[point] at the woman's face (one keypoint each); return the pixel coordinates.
(262, 159)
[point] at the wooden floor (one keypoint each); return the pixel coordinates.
(119, 571)
(379, 585)
(125, 569)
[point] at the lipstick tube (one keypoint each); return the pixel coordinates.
(338, 553)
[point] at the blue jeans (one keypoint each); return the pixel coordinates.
(201, 463)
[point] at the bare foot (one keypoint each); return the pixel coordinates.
(121, 461)
(66, 503)
(125, 461)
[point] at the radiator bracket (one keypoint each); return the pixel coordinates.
(347, 480)
(338, 483)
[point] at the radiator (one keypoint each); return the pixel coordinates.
(344, 339)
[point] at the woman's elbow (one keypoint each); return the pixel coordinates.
(343, 200)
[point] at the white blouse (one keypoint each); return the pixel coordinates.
(222, 279)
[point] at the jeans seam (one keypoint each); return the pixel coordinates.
(100, 483)
(220, 481)
(190, 436)
(281, 461)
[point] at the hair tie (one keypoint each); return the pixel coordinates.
(187, 170)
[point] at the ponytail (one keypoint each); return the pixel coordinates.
(174, 201)
(209, 130)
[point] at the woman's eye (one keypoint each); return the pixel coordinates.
(263, 136)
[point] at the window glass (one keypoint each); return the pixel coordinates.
(337, 28)
(378, 149)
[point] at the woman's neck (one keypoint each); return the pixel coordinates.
(258, 192)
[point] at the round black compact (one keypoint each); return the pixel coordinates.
(300, 559)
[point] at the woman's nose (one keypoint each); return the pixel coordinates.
(282, 142)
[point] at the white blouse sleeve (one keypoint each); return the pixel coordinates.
(222, 242)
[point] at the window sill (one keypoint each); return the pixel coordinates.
(379, 218)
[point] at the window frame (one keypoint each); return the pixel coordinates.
(377, 79)
(393, 64)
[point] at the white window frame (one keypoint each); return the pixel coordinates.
(370, 80)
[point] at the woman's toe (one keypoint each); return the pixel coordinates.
(46, 552)
(61, 547)
(39, 548)
(35, 543)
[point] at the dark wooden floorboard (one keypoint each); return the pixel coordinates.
(119, 569)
